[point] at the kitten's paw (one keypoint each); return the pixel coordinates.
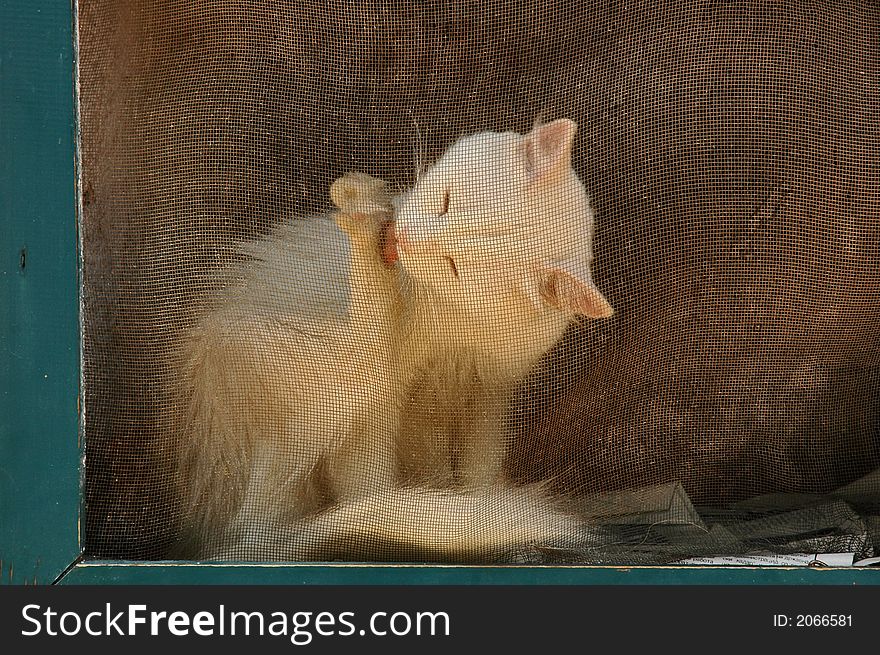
(359, 193)
(366, 214)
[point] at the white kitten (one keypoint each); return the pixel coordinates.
(339, 404)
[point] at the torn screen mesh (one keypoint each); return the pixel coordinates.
(730, 153)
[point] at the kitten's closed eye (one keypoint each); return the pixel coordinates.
(452, 265)
(445, 206)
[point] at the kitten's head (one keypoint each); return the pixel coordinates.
(502, 222)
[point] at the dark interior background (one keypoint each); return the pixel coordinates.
(732, 151)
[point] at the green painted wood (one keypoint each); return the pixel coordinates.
(176, 573)
(39, 318)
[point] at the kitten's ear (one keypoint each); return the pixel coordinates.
(547, 148)
(562, 286)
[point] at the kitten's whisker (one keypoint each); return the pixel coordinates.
(423, 152)
(419, 152)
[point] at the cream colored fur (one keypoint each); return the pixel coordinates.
(339, 406)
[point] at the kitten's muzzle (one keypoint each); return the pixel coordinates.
(402, 239)
(389, 242)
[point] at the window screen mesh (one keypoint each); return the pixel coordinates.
(731, 152)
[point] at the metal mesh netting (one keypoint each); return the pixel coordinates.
(731, 152)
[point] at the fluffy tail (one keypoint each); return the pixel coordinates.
(496, 524)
